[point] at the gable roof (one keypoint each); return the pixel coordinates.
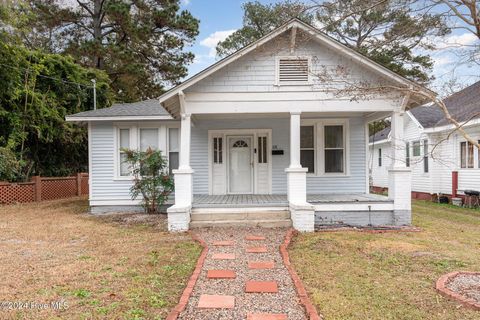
(319, 35)
(380, 135)
(141, 110)
(463, 105)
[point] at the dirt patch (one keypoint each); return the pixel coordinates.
(158, 221)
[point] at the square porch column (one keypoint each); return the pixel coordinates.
(302, 213)
(179, 213)
(399, 175)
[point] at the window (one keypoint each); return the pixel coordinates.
(124, 143)
(293, 70)
(425, 156)
(334, 149)
(407, 154)
(379, 157)
(307, 148)
(262, 150)
(416, 148)
(217, 150)
(148, 139)
(173, 149)
(466, 155)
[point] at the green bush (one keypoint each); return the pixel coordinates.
(151, 178)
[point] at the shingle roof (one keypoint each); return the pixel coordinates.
(150, 107)
(462, 105)
(380, 135)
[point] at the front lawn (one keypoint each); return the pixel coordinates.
(124, 267)
(355, 275)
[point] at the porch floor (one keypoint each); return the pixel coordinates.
(279, 200)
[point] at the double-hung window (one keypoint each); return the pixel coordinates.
(467, 157)
(123, 143)
(379, 157)
(173, 149)
(307, 148)
(416, 148)
(334, 148)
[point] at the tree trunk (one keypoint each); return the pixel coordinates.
(97, 32)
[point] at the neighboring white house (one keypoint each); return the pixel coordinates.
(260, 138)
(434, 150)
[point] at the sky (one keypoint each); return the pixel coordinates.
(219, 18)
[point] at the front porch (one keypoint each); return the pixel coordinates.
(281, 200)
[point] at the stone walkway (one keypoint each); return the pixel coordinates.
(243, 277)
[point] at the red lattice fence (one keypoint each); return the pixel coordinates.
(42, 188)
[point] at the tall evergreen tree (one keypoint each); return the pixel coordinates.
(140, 44)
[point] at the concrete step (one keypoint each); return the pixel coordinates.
(279, 223)
(219, 215)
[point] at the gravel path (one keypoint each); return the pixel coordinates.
(285, 301)
(467, 285)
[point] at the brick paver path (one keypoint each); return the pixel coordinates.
(243, 277)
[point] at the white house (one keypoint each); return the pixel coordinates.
(260, 138)
(434, 149)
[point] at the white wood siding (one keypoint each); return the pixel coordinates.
(353, 183)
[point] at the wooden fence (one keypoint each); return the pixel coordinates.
(44, 188)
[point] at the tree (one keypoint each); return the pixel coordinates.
(140, 44)
(259, 20)
(150, 178)
(38, 90)
(389, 32)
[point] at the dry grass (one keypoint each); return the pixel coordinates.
(354, 275)
(114, 268)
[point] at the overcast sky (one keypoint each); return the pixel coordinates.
(219, 18)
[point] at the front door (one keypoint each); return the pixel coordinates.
(240, 164)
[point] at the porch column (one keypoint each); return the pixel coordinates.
(302, 213)
(179, 214)
(399, 175)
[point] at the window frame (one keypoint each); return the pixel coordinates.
(167, 147)
(293, 83)
(475, 156)
(135, 127)
(319, 138)
(313, 148)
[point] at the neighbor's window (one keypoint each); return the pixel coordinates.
(416, 148)
(466, 155)
(173, 149)
(293, 70)
(425, 156)
(307, 148)
(407, 154)
(379, 157)
(334, 149)
(124, 143)
(148, 139)
(262, 150)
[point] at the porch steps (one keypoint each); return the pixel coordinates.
(230, 217)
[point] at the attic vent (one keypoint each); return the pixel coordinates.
(293, 70)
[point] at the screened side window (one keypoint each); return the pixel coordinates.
(124, 143)
(425, 156)
(379, 157)
(416, 148)
(334, 149)
(262, 150)
(218, 150)
(307, 148)
(407, 154)
(148, 139)
(173, 149)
